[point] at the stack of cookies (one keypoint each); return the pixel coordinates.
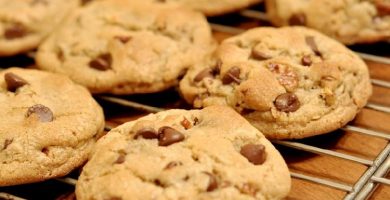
(285, 83)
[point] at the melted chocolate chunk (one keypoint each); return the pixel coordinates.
(13, 81)
(146, 133)
(42, 112)
(15, 31)
(287, 102)
(297, 19)
(168, 136)
(255, 153)
(306, 60)
(121, 159)
(313, 45)
(206, 73)
(103, 62)
(213, 183)
(7, 142)
(232, 75)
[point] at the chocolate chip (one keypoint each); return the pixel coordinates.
(172, 165)
(297, 19)
(274, 67)
(46, 151)
(15, 31)
(196, 121)
(247, 111)
(206, 73)
(44, 113)
(185, 123)
(168, 136)
(232, 75)
(287, 102)
(121, 159)
(313, 45)
(382, 7)
(255, 153)
(123, 39)
(102, 62)
(14, 81)
(7, 142)
(146, 133)
(213, 183)
(83, 2)
(306, 60)
(217, 67)
(258, 55)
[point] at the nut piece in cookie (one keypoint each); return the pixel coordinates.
(43, 113)
(50, 128)
(127, 47)
(290, 82)
(220, 157)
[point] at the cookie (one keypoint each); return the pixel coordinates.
(126, 47)
(49, 125)
(290, 82)
(214, 7)
(212, 153)
(25, 23)
(350, 22)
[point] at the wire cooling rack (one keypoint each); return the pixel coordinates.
(374, 169)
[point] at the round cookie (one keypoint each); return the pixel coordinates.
(350, 22)
(214, 7)
(25, 23)
(125, 47)
(212, 153)
(290, 82)
(49, 126)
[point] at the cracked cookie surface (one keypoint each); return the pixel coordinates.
(126, 47)
(25, 23)
(349, 21)
(48, 128)
(290, 82)
(212, 153)
(213, 7)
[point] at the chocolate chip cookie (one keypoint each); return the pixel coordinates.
(213, 7)
(212, 153)
(290, 82)
(48, 126)
(25, 23)
(126, 47)
(350, 22)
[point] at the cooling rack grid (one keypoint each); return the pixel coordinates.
(350, 163)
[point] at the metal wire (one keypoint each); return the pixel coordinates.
(362, 188)
(381, 83)
(7, 196)
(67, 180)
(316, 150)
(340, 186)
(366, 132)
(254, 14)
(381, 180)
(132, 104)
